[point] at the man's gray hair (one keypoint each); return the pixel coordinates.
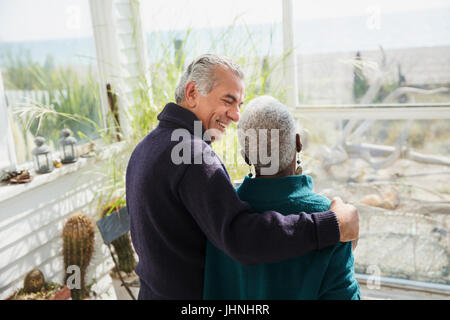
(263, 114)
(202, 72)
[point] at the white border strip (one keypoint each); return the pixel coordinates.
(407, 284)
(374, 112)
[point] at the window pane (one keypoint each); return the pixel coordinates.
(373, 52)
(403, 198)
(250, 32)
(47, 59)
(247, 31)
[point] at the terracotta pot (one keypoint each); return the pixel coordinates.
(63, 294)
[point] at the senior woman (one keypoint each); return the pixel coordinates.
(322, 274)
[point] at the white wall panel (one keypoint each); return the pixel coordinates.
(31, 226)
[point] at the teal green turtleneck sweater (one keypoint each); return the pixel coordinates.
(321, 274)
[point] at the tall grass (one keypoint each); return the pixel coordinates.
(75, 102)
(262, 75)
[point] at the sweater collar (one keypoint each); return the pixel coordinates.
(275, 189)
(175, 115)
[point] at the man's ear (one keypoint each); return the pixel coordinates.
(191, 94)
(298, 143)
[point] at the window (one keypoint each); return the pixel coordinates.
(396, 173)
(390, 161)
(250, 32)
(373, 92)
(372, 52)
(48, 65)
(374, 98)
(247, 31)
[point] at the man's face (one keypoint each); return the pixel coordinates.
(221, 106)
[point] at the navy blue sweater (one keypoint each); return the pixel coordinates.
(175, 208)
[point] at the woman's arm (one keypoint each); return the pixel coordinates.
(339, 281)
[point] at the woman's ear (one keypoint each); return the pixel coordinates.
(247, 161)
(298, 143)
(190, 93)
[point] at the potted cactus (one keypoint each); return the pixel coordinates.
(78, 246)
(123, 254)
(36, 288)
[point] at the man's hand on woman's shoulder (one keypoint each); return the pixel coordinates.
(348, 219)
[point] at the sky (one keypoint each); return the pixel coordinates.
(24, 20)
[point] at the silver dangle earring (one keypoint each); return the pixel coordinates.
(298, 169)
(250, 174)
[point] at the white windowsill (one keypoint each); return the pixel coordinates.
(9, 190)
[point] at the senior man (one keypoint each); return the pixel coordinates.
(175, 206)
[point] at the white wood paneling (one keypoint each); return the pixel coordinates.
(31, 226)
(123, 10)
(289, 63)
(131, 70)
(125, 26)
(131, 55)
(121, 50)
(125, 42)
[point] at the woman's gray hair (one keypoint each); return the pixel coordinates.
(261, 115)
(201, 71)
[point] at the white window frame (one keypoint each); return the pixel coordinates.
(108, 35)
(392, 111)
(6, 142)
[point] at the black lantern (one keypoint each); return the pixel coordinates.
(43, 161)
(67, 147)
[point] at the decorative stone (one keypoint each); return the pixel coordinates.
(34, 281)
(373, 200)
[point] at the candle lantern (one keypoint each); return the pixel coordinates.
(43, 161)
(67, 147)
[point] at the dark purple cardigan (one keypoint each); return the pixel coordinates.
(175, 208)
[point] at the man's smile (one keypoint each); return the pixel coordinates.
(221, 125)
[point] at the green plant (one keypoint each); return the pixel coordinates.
(78, 246)
(360, 83)
(76, 103)
(122, 245)
(385, 90)
(17, 74)
(261, 70)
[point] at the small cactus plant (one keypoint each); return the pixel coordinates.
(78, 246)
(122, 245)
